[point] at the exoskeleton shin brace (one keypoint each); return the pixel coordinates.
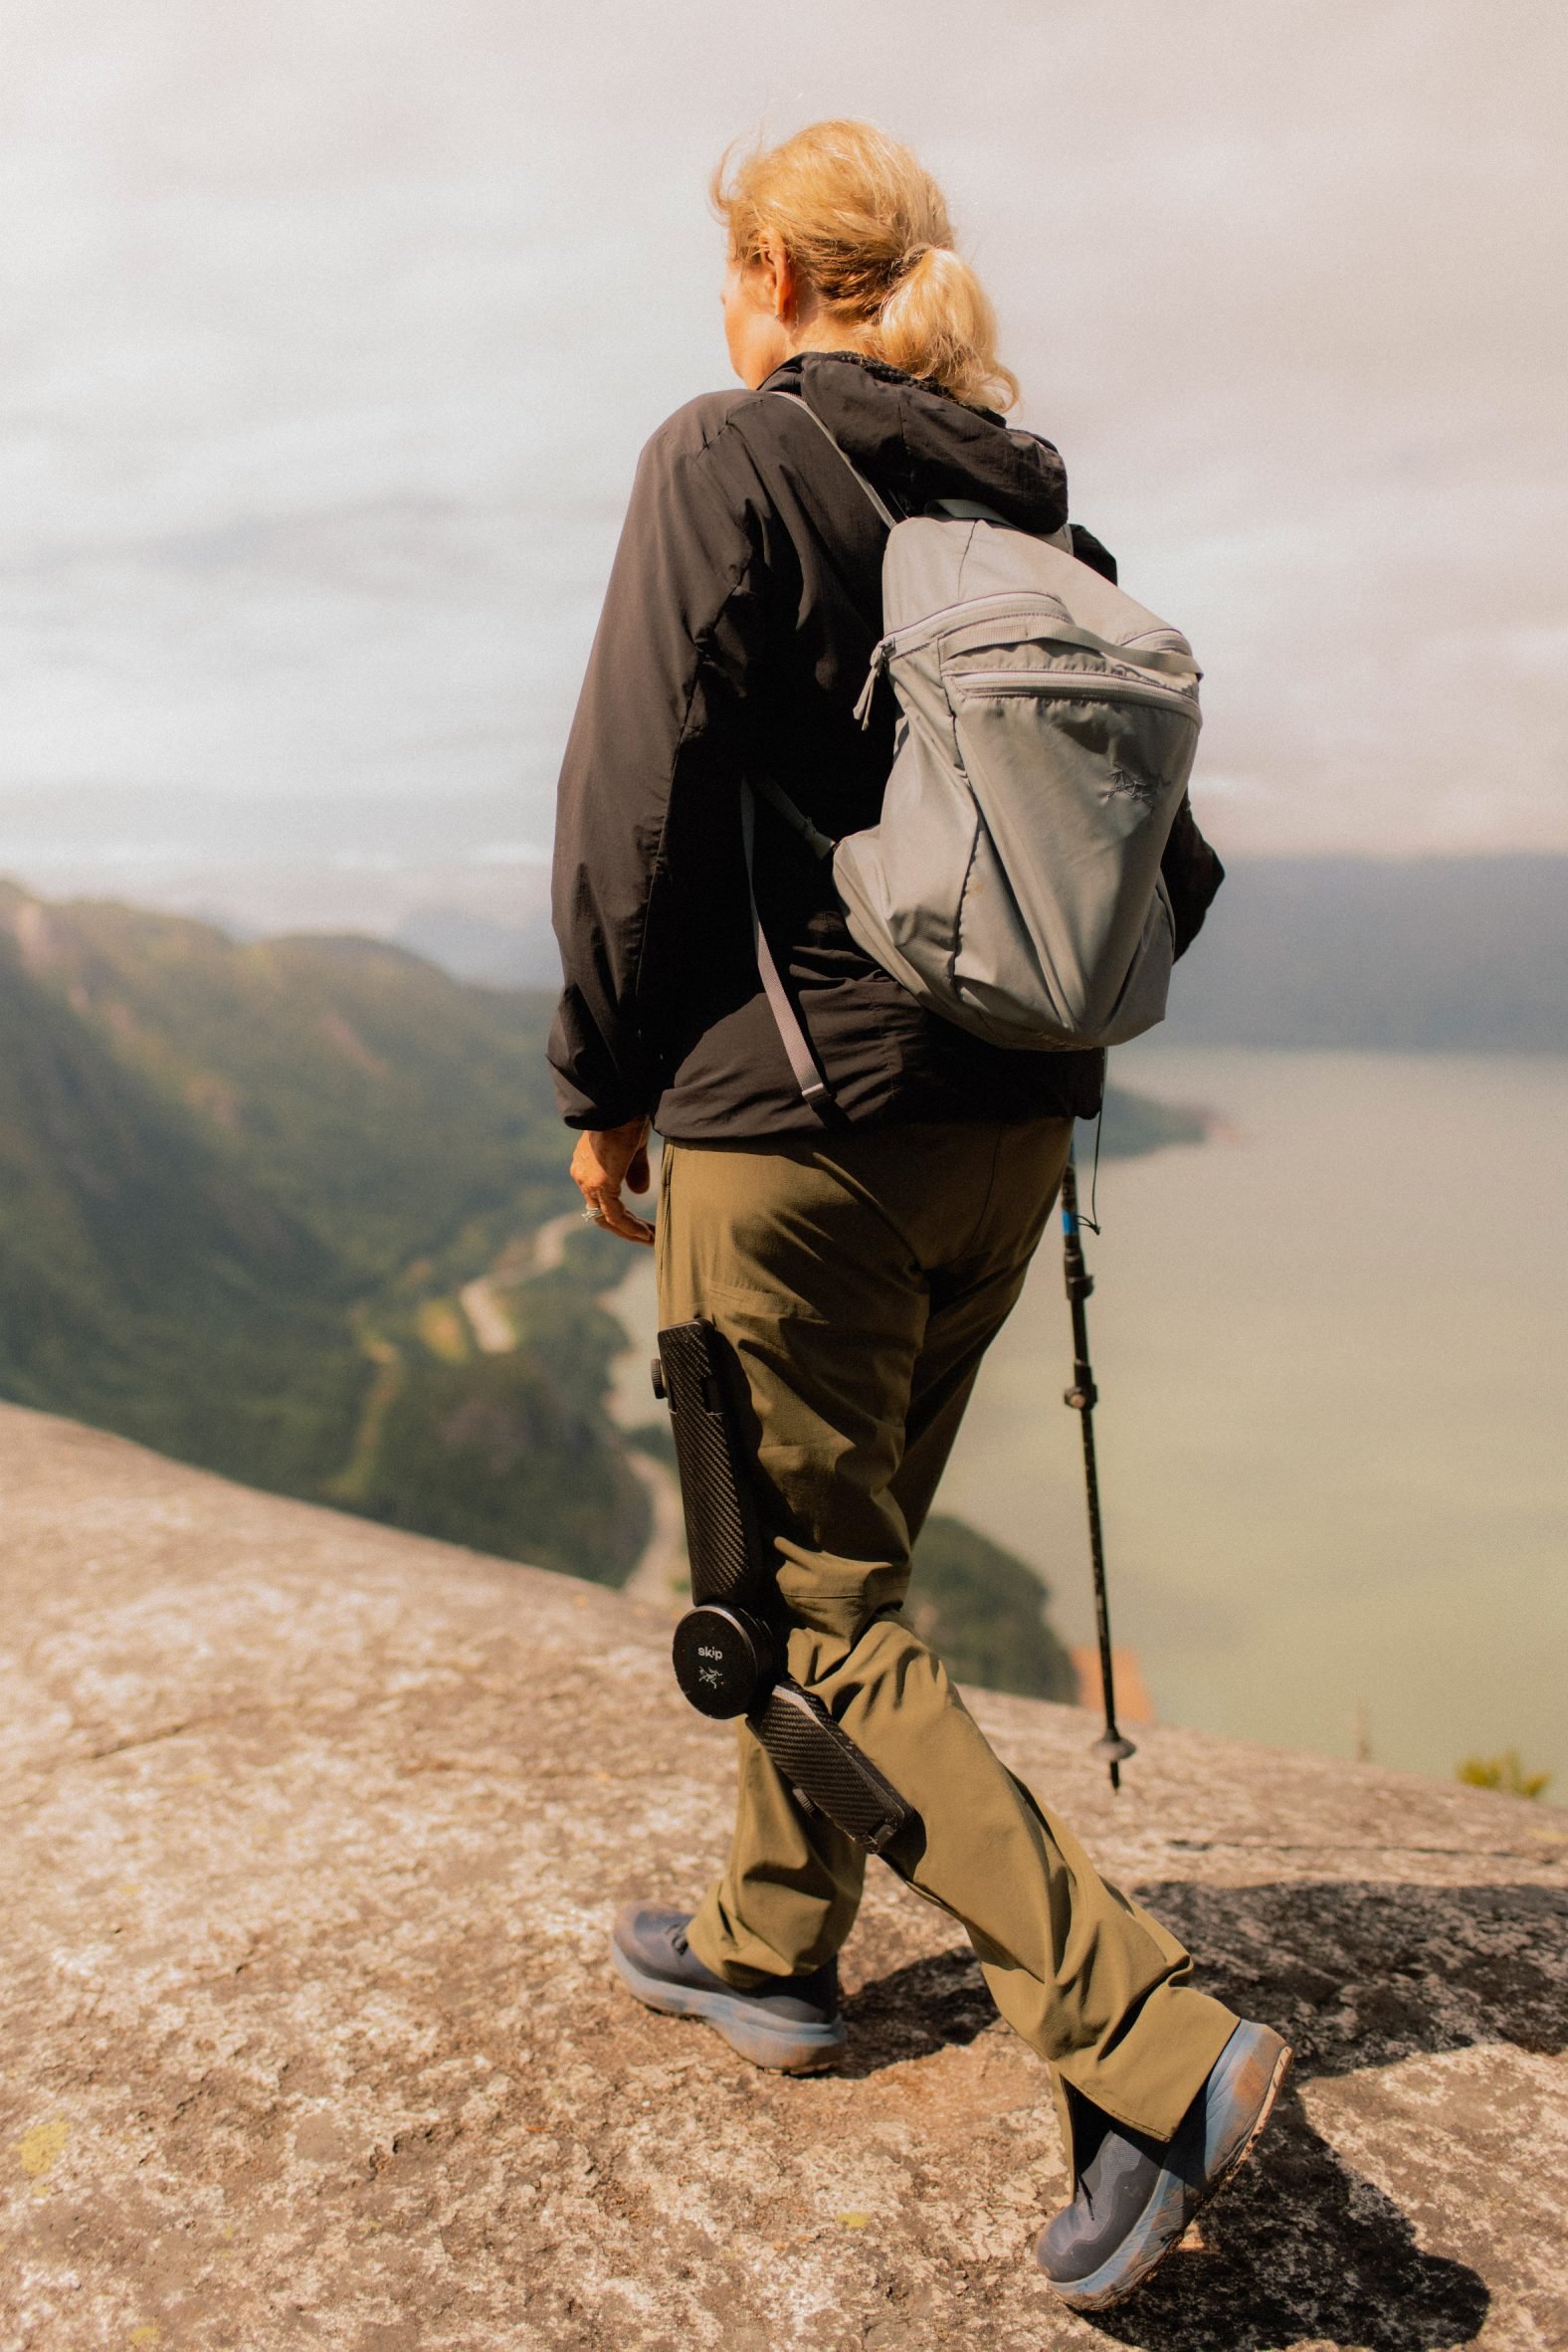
(728, 1654)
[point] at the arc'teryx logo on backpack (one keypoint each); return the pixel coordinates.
(1148, 789)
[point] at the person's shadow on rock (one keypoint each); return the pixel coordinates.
(1301, 2248)
(1356, 1976)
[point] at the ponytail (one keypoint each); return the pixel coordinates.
(867, 227)
(938, 322)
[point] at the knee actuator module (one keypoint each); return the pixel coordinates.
(729, 1646)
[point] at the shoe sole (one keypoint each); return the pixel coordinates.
(1087, 2294)
(783, 2050)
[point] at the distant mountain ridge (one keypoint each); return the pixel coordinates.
(1419, 955)
(1403, 955)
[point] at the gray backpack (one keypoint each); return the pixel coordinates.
(1047, 733)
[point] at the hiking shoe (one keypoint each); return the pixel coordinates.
(793, 2024)
(1136, 2195)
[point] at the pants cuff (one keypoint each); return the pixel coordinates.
(1157, 2066)
(708, 1936)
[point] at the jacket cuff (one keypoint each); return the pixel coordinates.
(595, 1121)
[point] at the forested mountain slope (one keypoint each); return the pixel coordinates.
(389, 1106)
(298, 1209)
(146, 1281)
(240, 1188)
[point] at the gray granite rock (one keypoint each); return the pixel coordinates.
(313, 1831)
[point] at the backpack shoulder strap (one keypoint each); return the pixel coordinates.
(803, 1063)
(803, 1067)
(885, 512)
(806, 1072)
(821, 845)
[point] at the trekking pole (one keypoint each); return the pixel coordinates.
(1081, 1396)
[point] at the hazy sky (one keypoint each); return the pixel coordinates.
(331, 332)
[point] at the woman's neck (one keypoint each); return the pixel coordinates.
(821, 332)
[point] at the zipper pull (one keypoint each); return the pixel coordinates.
(880, 653)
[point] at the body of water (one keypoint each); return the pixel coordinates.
(1332, 1352)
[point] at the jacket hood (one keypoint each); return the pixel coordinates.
(917, 443)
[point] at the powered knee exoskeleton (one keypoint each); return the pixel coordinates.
(729, 1645)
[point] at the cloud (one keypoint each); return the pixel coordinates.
(333, 334)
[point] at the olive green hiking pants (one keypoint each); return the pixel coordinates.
(859, 1275)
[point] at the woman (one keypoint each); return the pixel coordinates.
(859, 1259)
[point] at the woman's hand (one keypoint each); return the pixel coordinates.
(604, 1160)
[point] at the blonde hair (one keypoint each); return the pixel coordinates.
(867, 227)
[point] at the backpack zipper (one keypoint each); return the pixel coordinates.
(1077, 685)
(1006, 607)
(900, 641)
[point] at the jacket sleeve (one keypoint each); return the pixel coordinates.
(1193, 874)
(652, 763)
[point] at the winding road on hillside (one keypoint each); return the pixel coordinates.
(488, 1319)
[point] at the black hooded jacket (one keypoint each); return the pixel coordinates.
(736, 633)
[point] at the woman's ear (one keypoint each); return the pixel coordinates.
(778, 282)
